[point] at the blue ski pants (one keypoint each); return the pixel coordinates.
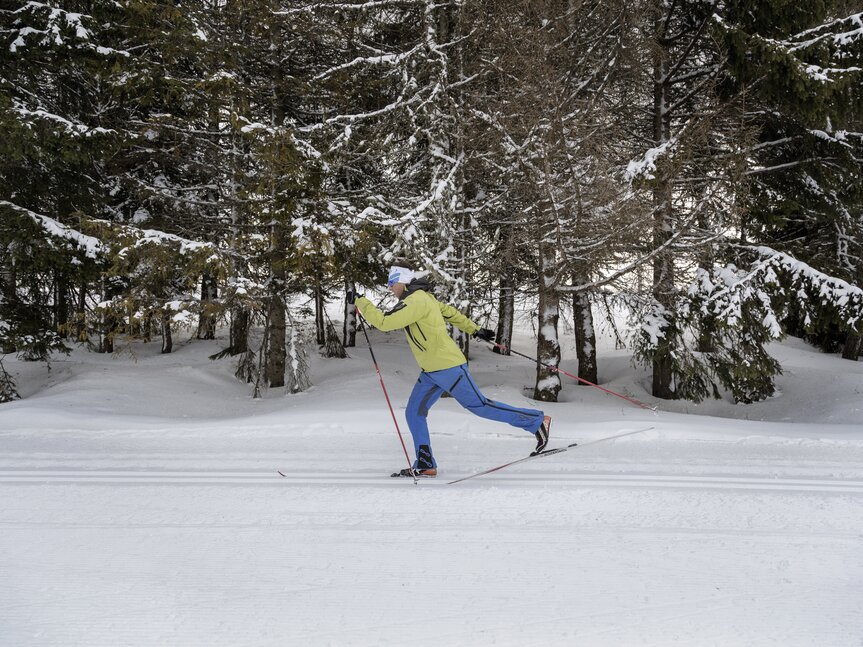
(457, 381)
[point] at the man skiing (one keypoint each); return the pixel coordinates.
(444, 367)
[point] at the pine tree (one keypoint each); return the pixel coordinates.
(727, 88)
(392, 135)
(8, 392)
(689, 172)
(544, 132)
(37, 248)
(802, 68)
(58, 128)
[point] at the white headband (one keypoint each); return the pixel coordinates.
(400, 275)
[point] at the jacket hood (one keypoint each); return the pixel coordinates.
(421, 283)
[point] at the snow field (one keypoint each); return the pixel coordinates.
(140, 505)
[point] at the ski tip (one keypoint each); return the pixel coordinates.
(280, 473)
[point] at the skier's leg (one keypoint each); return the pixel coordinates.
(467, 393)
(423, 396)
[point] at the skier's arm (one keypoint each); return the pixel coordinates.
(403, 315)
(457, 319)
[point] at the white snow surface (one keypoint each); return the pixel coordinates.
(140, 505)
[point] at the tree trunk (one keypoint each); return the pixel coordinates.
(462, 339)
(320, 325)
(207, 318)
(585, 336)
(506, 300)
(706, 335)
(239, 331)
(298, 378)
(167, 337)
(349, 328)
(707, 329)
(276, 313)
(548, 348)
(663, 265)
(61, 304)
(106, 343)
(663, 293)
(241, 316)
(81, 315)
(9, 282)
(506, 313)
(106, 325)
(853, 346)
(276, 352)
(147, 327)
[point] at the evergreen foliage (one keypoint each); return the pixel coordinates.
(8, 392)
(169, 166)
(801, 67)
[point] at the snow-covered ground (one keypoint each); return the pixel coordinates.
(140, 505)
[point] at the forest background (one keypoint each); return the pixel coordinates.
(694, 164)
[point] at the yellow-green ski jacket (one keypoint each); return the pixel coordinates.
(424, 319)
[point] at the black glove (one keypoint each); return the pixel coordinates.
(484, 334)
(351, 296)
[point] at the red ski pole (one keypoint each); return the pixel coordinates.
(386, 395)
(575, 377)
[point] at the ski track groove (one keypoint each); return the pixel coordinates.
(257, 478)
(831, 538)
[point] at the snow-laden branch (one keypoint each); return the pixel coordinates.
(385, 59)
(791, 48)
(769, 169)
(91, 247)
(843, 38)
(253, 127)
(440, 190)
(132, 237)
(805, 280)
(400, 102)
(347, 6)
(646, 166)
(59, 22)
(822, 74)
(839, 137)
(642, 260)
(76, 129)
(156, 237)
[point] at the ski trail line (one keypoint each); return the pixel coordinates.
(271, 478)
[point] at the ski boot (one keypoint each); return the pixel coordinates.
(542, 435)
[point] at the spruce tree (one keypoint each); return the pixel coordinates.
(59, 127)
(801, 66)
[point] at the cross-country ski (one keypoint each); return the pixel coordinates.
(549, 452)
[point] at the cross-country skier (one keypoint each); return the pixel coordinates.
(444, 367)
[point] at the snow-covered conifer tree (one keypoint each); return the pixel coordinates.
(542, 113)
